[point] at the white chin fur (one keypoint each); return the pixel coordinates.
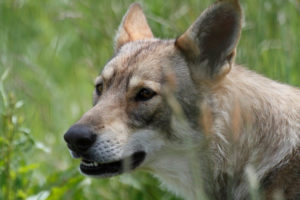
(74, 155)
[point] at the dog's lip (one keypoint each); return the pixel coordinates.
(89, 167)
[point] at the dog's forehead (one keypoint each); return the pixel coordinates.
(143, 59)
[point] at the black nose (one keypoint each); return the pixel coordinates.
(79, 138)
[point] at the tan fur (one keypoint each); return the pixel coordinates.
(210, 122)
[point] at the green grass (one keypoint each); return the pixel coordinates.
(55, 48)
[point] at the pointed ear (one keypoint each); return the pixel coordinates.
(209, 44)
(133, 27)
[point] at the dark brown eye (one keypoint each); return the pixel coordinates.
(99, 89)
(145, 94)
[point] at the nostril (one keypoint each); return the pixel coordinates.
(84, 143)
(79, 138)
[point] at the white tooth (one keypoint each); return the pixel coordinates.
(90, 164)
(87, 164)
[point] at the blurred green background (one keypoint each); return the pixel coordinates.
(50, 53)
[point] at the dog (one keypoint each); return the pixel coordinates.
(182, 110)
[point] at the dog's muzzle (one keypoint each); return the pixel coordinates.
(82, 142)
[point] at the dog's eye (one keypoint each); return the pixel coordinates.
(99, 89)
(145, 94)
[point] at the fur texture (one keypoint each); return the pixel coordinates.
(204, 124)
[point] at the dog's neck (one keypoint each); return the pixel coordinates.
(231, 154)
(181, 172)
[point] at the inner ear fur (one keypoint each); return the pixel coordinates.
(133, 27)
(210, 42)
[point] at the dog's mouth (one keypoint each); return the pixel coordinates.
(93, 168)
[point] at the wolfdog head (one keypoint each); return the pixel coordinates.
(147, 97)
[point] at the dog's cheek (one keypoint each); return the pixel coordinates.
(153, 114)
